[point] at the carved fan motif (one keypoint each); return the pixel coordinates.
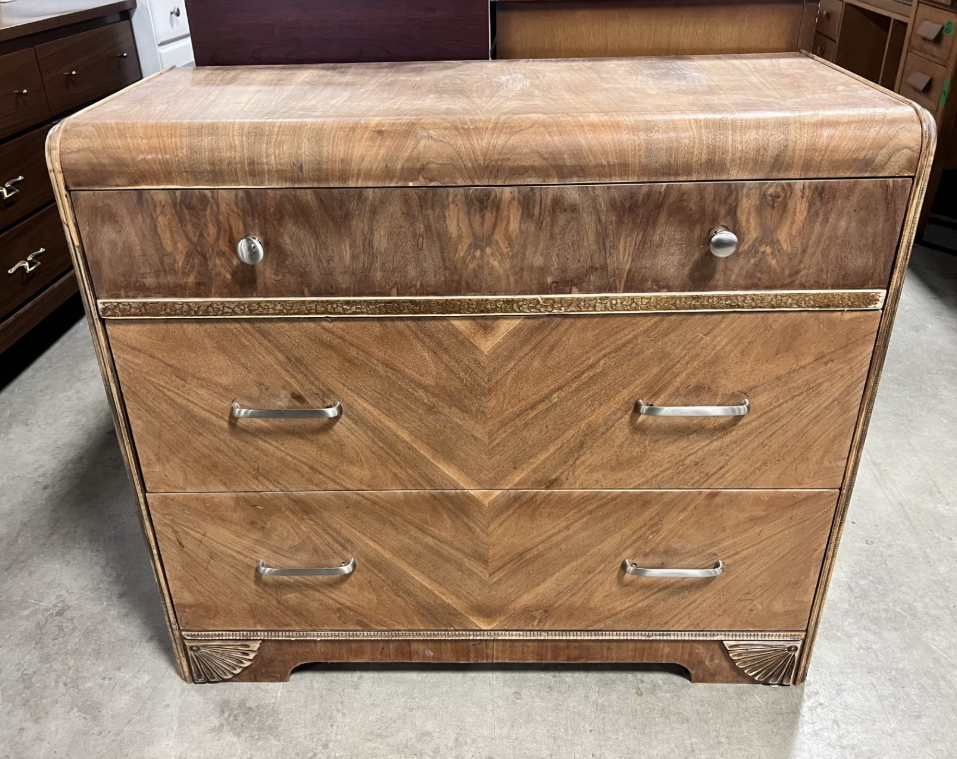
(769, 662)
(215, 661)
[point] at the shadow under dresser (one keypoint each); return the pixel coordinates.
(498, 361)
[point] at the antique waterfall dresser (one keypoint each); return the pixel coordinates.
(499, 361)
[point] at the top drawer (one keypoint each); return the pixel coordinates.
(84, 67)
(22, 103)
(933, 35)
(492, 240)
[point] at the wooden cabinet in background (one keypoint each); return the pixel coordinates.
(607, 28)
(55, 56)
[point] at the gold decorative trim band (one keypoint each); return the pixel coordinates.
(486, 635)
(497, 305)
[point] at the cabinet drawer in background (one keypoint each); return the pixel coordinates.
(23, 176)
(492, 240)
(18, 244)
(84, 67)
(516, 560)
(829, 18)
(169, 20)
(22, 100)
(494, 403)
(923, 81)
(824, 48)
(934, 33)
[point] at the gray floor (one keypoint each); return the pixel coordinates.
(85, 668)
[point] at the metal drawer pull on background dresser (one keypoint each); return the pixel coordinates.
(29, 263)
(347, 568)
(633, 569)
(649, 410)
(329, 412)
(8, 190)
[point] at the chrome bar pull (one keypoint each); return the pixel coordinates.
(346, 568)
(8, 190)
(329, 412)
(646, 409)
(633, 569)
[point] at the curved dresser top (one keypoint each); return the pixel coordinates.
(492, 123)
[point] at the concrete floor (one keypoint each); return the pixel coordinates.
(86, 671)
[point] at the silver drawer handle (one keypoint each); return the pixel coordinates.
(29, 263)
(648, 410)
(329, 412)
(8, 190)
(633, 569)
(346, 568)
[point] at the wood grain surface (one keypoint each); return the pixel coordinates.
(492, 240)
(610, 28)
(22, 19)
(490, 403)
(480, 560)
(490, 123)
(230, 32)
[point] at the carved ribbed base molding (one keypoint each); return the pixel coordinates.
(215, 661)
(772, 662)
(494, 305)
(260, 635)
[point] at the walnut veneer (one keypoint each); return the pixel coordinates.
(487, 279)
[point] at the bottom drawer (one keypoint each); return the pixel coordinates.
(515, 560)
(923, 81)
(32, 255)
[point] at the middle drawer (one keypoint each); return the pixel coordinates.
(494, 403)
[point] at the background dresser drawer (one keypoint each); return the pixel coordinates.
(23, 159)
(85, 67)
(22, 102)
(923, 81)
(829, 18)
(482, 560)
(516, 240)
(934, 33)
(490, 403)
(421, 559)
(556, 559)
(20, 246)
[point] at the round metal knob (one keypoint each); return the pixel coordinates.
(175, 12)
(723, 242)
(250, 250)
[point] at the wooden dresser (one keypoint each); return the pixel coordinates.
(55, 56)
(510, 361)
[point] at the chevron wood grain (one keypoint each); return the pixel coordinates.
(422, 559)
(490, 403)
(486, 560)
(555, 559)
(492, 240)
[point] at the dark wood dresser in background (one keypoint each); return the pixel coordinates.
(56, 56)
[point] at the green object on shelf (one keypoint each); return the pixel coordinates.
(945, 90)
(949, 27)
